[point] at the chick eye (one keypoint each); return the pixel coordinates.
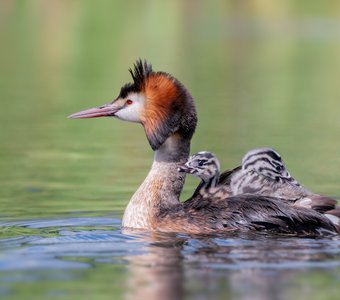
(279, 168)
(129, 102)
(200, 163)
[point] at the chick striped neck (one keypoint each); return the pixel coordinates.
(211, 183)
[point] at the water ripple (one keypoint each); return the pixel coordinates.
(63, 247)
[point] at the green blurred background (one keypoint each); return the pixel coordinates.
(262, 72)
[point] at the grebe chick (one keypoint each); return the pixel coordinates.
(205, 166)
(166, 110)
(263, 172)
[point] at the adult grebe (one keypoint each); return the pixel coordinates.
(167, 112)
(262, 173)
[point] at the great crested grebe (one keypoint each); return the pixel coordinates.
(262, 173)
(167, 112)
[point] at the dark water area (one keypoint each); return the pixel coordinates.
(262, 73)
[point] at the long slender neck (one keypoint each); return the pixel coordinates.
(210, 182)
(162, 186)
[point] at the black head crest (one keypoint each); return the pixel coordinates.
(140, 72)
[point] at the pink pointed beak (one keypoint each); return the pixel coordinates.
(106, 110)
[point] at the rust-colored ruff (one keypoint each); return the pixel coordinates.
(162, 102)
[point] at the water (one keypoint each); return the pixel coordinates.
(80, 257)
(262, 74)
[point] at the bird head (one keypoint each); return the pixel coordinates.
(266, 162)
(156, 100)
(204, 165)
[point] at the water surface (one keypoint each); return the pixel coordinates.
(78, 257)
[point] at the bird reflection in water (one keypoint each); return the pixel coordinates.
(240, 265)
(158, 273)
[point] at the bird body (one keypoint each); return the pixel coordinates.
(166, 110)
(214, 213)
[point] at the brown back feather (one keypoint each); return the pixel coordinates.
(243, 212)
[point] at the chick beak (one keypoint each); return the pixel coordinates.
(184, 169)
(106, 110)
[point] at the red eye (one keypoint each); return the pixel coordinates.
(129, 102)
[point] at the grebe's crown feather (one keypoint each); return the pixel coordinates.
(140, 72)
